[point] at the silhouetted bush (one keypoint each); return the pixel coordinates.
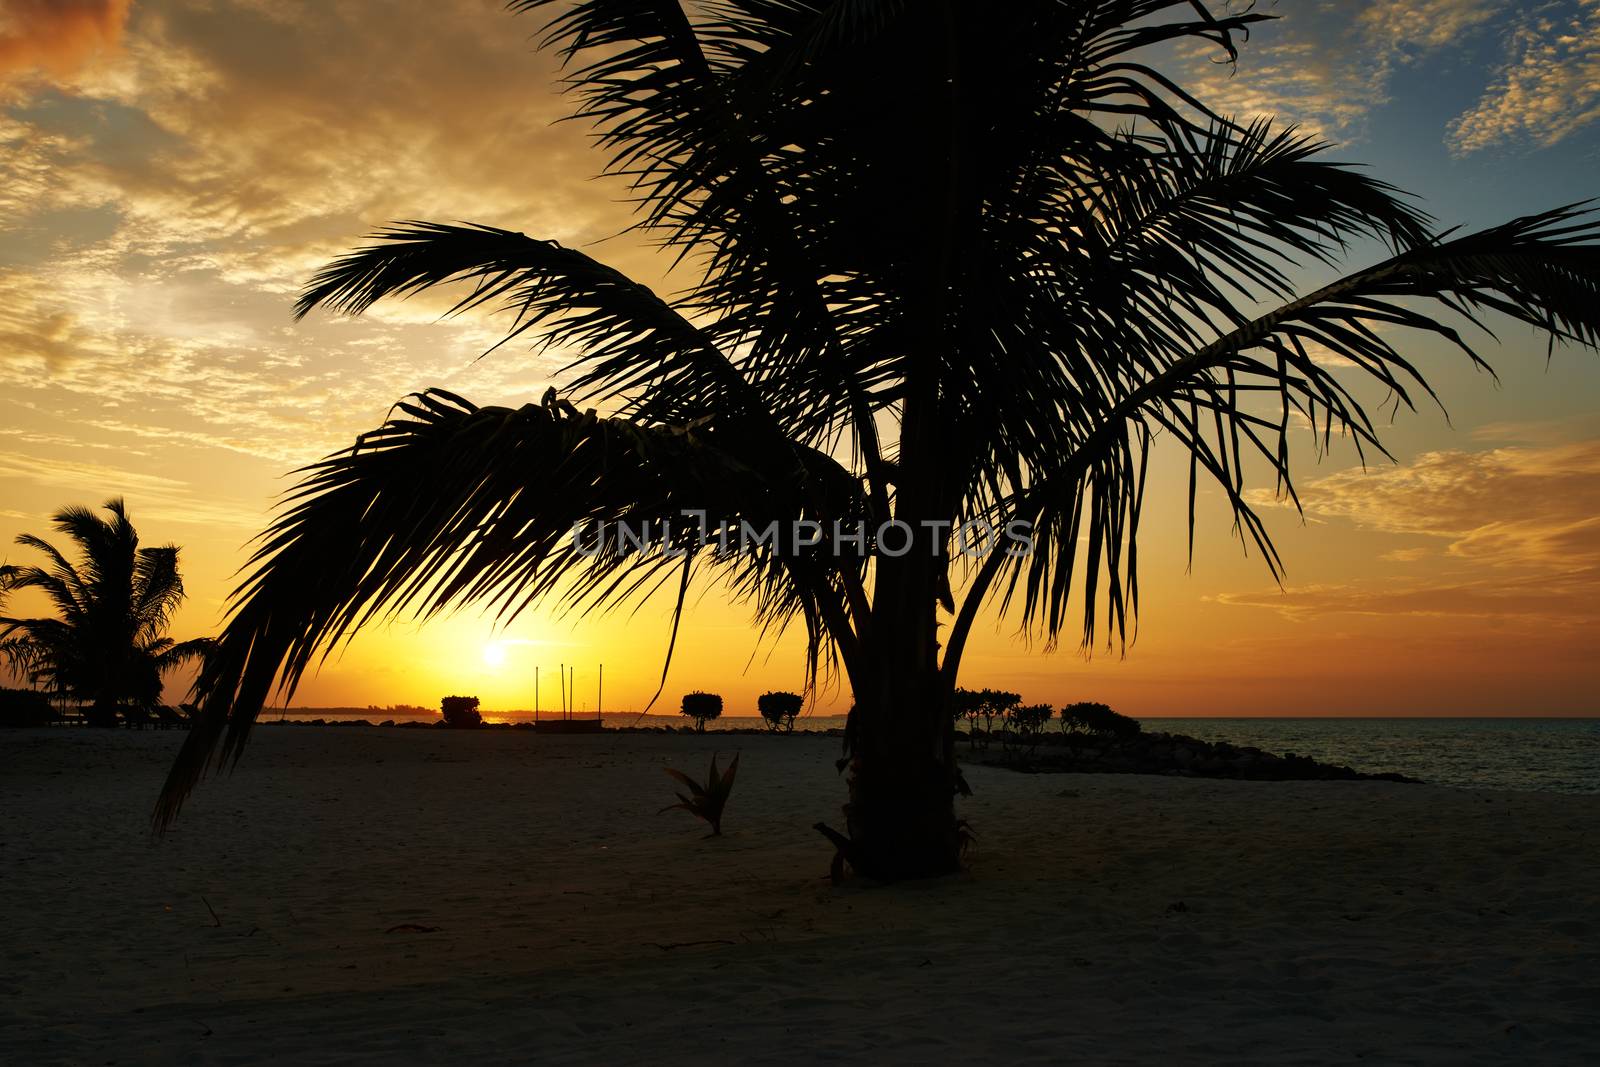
(780, 710)
(25, 707)
(460, 712)
(964, 704)
(702, 707)
(1029, 719)
(985, 704)
(1091, 718)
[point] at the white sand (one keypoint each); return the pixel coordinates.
(1319, 922)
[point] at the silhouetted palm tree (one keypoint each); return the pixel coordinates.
(107, 648)
(952, 266)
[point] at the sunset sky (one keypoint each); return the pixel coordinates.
(171, 171)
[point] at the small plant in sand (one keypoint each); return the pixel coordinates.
(707, 801)
(1088, 717)
(780, 710)
(702, 707)
(460, 712)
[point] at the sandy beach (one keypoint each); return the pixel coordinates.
(386, 895)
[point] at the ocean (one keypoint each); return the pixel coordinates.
(1548, 755)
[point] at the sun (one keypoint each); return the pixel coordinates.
(494, 654)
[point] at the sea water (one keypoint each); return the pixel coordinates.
(1552, 755)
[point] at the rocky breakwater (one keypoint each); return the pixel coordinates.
(1160, 753)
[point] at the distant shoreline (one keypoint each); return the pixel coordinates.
(518, 714)
(1522, 753)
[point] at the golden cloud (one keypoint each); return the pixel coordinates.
(1528, 601)
(1393, 26)
(1325, 66)
(1548, 89)
(221, 157)
(1532, 506)
(162, 498)
(58, 36)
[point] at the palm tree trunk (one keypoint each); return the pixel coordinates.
(901, 815)
(903, 777)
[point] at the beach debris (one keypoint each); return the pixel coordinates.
(705, 802)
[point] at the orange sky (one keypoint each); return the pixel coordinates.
(171, 172)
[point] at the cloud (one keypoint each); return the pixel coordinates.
(156, 496)
(1548, 88)
(58, 36)
(1325, 64)
(1528, 601)
(1528, 506)
(159, 209)
(158, 367)
(1398, 27)
(226, 138)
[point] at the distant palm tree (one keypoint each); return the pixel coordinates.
(107, 648)
(952, 265)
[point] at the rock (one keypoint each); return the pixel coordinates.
(1175, 755)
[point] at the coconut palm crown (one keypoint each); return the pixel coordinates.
(107, 648)
(950, 265)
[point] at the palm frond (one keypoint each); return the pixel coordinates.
(157, 589)
(1542, 270)
(448, 503)
(70, 592)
